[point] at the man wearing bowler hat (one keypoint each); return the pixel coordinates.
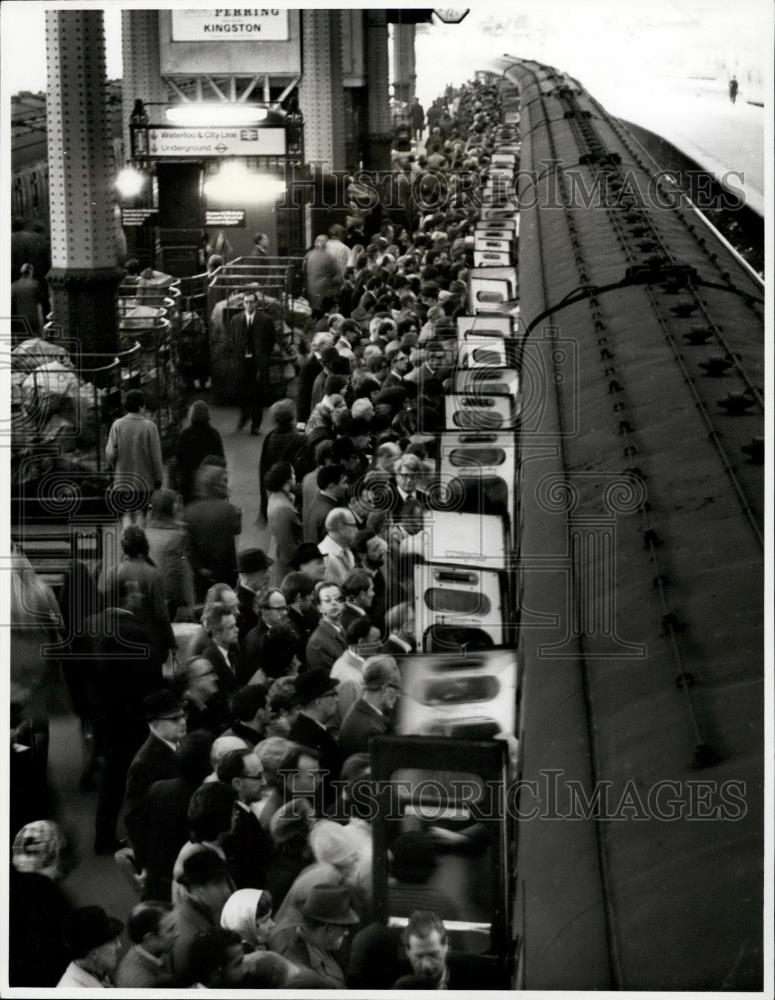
(156, 760)
(93, 940)
(253, 566)
(326, 920)
(316, 693)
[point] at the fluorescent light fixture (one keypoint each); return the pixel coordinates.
(216, 113)
(130, 182)
(235, 184)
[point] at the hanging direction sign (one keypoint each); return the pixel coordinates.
(235, 141)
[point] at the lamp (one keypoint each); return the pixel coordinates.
(216, 114)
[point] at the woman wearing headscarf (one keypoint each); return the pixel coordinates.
(37, 906)
(195, 443)
(248, 912)
(168, 549)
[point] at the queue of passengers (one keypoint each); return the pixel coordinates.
(233, 761)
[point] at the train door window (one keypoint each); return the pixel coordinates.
(469, 693)
(440, 839)
(485, 326)
(479, 412)
(458, 607)
(466, 540)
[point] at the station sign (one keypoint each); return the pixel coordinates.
(231, 24)
(177, 141)
(225, 218)
(137, 216)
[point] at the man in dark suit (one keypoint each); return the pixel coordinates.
(372, 714)
(200, 699)
(299, 590)
(328, 641)
(247, 846)
(165, 816)
(156, 760)
(358, 591)
(222, 650)
(332, 483)
(253, 337)
(253, 566)
(316, 692)
(128, 669)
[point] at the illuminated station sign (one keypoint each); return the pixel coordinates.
(260, 24)
(174, 141)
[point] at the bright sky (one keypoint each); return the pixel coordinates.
(597, 39)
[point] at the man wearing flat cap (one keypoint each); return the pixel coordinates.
(156, 760)
(253, 566)
(93, 939)
(316, 693)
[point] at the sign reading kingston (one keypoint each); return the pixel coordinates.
(236, 24)
(235, 141)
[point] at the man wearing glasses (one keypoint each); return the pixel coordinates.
(327, 642)
(372, 714)
(272, 633)
(341, 529)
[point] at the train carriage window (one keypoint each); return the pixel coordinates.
(454, 690)
(483, 356)
(466, 457)
(481, 418)
(457, 601)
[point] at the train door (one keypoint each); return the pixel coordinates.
(462, 596)
(485, 466)
(449, 803)
(468, 695)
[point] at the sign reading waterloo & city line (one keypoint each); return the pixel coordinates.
(258, 24)
(235, 141)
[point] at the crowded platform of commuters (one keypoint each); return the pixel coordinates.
(225, 765)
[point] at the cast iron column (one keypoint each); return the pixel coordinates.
(380, 135)
(320, 90)
(404, 69)
(84, 275)
(142, 67)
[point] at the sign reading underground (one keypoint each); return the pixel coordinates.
(259, 24)
(216, 142)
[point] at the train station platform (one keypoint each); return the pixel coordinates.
(697, 117)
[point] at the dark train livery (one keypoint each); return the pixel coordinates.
(640, 568)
